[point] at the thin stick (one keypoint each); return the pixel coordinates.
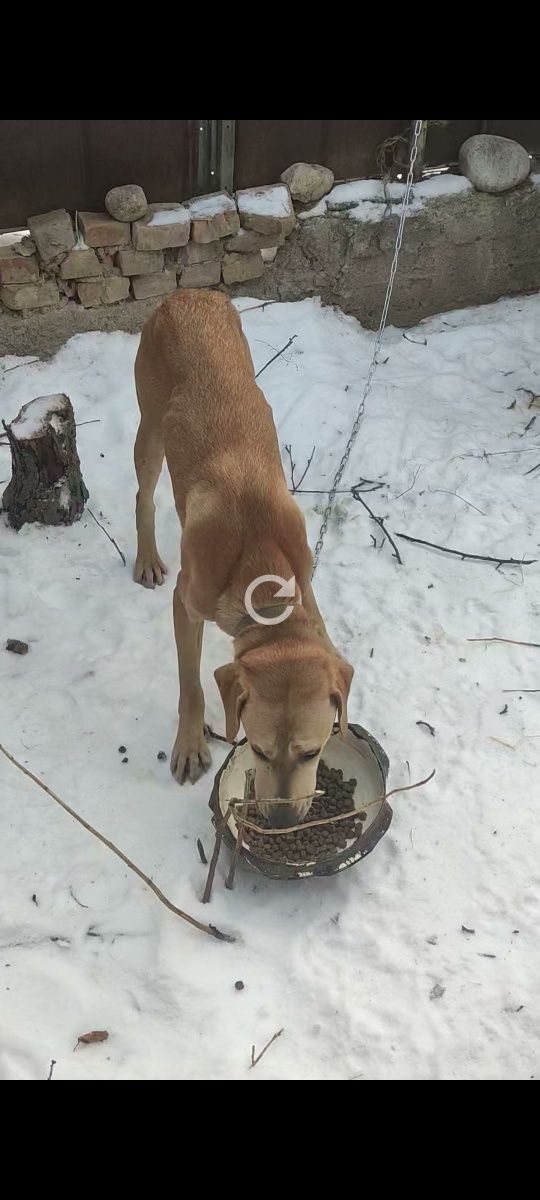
(254, 1060)
(278, 355)
(220, 830)
(353, 812)
(380, 523)
(249, 793)
(97, 421)
(530, 471)
(19, 365)
(507, 691)
(111, 539)
(210, 929)
(509, 641)
(218, 737)
(51, 1068)
(202, 855)
(302, 477)
(252, 307)
(463, 554)
(445, 492)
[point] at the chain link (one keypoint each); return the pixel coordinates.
(378, 340)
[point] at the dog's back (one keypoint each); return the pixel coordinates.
(195, 376)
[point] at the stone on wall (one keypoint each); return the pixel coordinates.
(308, 182)
(93, 292)
(99, 229)
(52, 233)
(153, 285)
(164, 226)
(126, 203)
(267, 210)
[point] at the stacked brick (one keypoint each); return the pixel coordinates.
(99, 258)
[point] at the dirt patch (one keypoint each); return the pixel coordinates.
(42, 334)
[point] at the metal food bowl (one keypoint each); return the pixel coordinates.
(359, 756)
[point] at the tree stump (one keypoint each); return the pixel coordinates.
(46, 482)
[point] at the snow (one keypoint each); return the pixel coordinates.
(13, 238)
(210, 206)
(33, 414)
(347, 965)
(273, 201)
(366, 200)
(178, 215)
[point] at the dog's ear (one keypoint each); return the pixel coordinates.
(233, 694)
(343, 674)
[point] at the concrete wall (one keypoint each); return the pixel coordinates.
(457, 251)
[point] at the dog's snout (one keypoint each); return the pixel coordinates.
(285, 813)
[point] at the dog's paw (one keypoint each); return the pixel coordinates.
(149, 570)
(190, 756)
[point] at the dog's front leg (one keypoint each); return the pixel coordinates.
(190, 756)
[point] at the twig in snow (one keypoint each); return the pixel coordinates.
(427, 726)
(254, 1060)
(411, 485)
(79, 902)
(379, 522)
(457, 495)
(202, 854)
(509, 641)
(19, 365)
(210, 929)
(96, 421)
(512, 691)
(341, 816)
(531, 469)
(249, 795)
(530, 423)
(220, 830)
(218, 737)
(463, 554)
(252, 307)
(278, 355)
(529, 392)
(294, 485)
(51, 1068)
(111, 539)
(416, 341)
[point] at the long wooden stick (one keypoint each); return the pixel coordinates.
(353, 812)
(210, 929)
(509, 642)
(249, 794)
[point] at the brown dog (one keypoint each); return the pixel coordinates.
(201, 407)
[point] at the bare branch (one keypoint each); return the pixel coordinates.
(463, 554)
(210, 929)
(379, 522)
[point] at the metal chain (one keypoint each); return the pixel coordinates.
(378, 340)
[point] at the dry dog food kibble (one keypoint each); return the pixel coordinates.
(321, 841)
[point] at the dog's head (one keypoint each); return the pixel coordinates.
(286, 696)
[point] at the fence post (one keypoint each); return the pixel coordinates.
(226, 156)
(215, 155)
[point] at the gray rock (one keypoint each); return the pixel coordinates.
(126, 203)
(237, 268)
(52, 233)
(308, 182)
(493, 163)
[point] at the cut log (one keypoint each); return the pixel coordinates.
(46, 482)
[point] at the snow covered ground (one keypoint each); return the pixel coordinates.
(371, 975)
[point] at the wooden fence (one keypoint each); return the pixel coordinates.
(72, 164)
